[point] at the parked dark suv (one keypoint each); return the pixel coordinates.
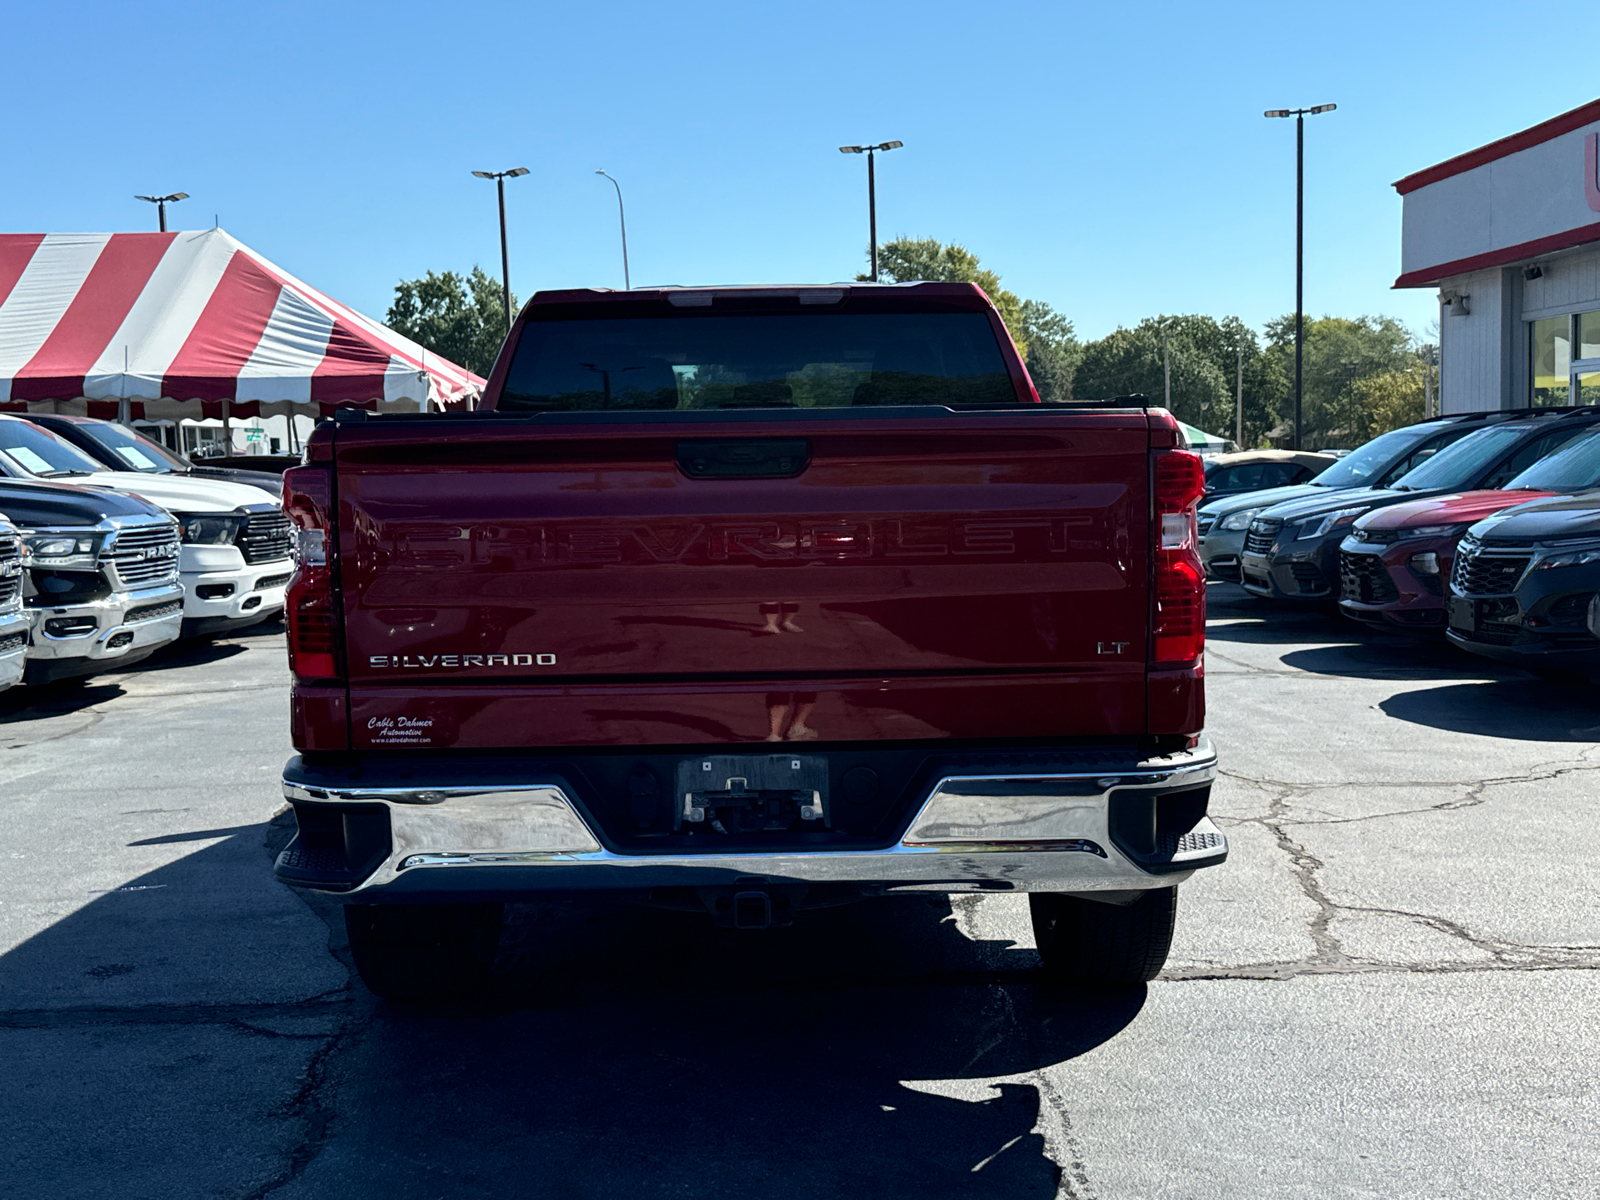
(1524, 586)
(1292, 549)
(1224, 522)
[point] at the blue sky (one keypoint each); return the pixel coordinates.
(1110, 159)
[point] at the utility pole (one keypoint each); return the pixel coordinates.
(500, 178)
(1299, 115)
(1238, 404)
(872, 193)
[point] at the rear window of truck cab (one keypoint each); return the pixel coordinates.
(757, 360)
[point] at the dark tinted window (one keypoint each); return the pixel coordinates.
(1574, 468)
(1526, 456)
(29, 450)
(1420, 455)
(823, 360)
(1463, 463)
(1361, 466)
(1281, 474)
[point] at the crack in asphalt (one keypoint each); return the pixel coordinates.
(1328, 955)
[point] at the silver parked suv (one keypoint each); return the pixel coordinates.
(100, 585)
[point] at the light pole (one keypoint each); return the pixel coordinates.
(1299, 115)
(627, 280)
(161, 203)
(872, 192)
(500, 178)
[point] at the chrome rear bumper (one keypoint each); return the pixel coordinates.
(1048, 832)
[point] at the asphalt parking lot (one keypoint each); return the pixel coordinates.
(1390, 990)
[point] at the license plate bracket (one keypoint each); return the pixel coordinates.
(1463, 614)
(750, 793)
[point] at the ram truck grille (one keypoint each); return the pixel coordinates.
(10, 568)
(266, 537)
(144, 554)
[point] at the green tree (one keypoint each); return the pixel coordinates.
(1339, 353)
(1204, 356)
(459, 318)
(1387, 400)
(1043, 336)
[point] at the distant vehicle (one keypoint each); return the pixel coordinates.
(1291, 551)
(13, 619)
(100, 584)
(1524, 585)
(1224, 521)
(1256, 470)
(236, 544)
(1395, 564)
(118, 448)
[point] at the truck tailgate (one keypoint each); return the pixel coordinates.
(522, 583)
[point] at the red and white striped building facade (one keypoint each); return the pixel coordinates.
(171, 326)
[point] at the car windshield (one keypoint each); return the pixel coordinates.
(1459, 464)
(137, 453)
(29, 450)
(814, 360)
(1366, 463)
(1572, 469)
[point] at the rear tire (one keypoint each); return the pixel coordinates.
(1089, 944)
(424, 954)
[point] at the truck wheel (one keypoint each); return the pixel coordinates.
(424, 954)
(1088, 944)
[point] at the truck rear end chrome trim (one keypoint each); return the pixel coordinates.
(1040, 832)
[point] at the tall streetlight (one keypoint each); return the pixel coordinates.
(872, 192)
(1299, 115)
(500, 178)
(161, 203)
(627, 281)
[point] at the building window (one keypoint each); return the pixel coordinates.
(1558, 376)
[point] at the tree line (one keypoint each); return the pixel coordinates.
(1362, 376)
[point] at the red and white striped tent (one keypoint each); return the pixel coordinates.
(160, 326)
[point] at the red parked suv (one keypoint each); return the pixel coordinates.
(1394, 565)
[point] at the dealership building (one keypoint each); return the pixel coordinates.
(1509, 234)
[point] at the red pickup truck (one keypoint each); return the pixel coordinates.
(749, 600)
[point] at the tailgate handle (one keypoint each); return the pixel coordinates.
(744, 458)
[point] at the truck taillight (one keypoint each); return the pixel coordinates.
(309, 604)
(1179, 594)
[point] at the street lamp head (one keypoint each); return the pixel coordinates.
(891, 145)
(1322, 108)
(1276, 112)
(484, 174)
(178, 196)
(147, 199)
(516, 171)
(852, 149)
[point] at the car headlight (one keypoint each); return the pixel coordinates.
(1239, 521)
(62, 551)
(209, 530)
(1569, 558)
(1318, 526)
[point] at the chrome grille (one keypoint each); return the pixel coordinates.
(265, 537)
(13, 642)
(1206, 521)
(1263, 532)
(1482, 572)
(1363, 577)
(143, 554)
(10, 568)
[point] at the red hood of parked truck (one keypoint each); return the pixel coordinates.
(1448, 510)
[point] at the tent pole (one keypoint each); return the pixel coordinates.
(227, 430)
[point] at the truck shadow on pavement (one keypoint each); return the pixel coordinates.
(884, 1049)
